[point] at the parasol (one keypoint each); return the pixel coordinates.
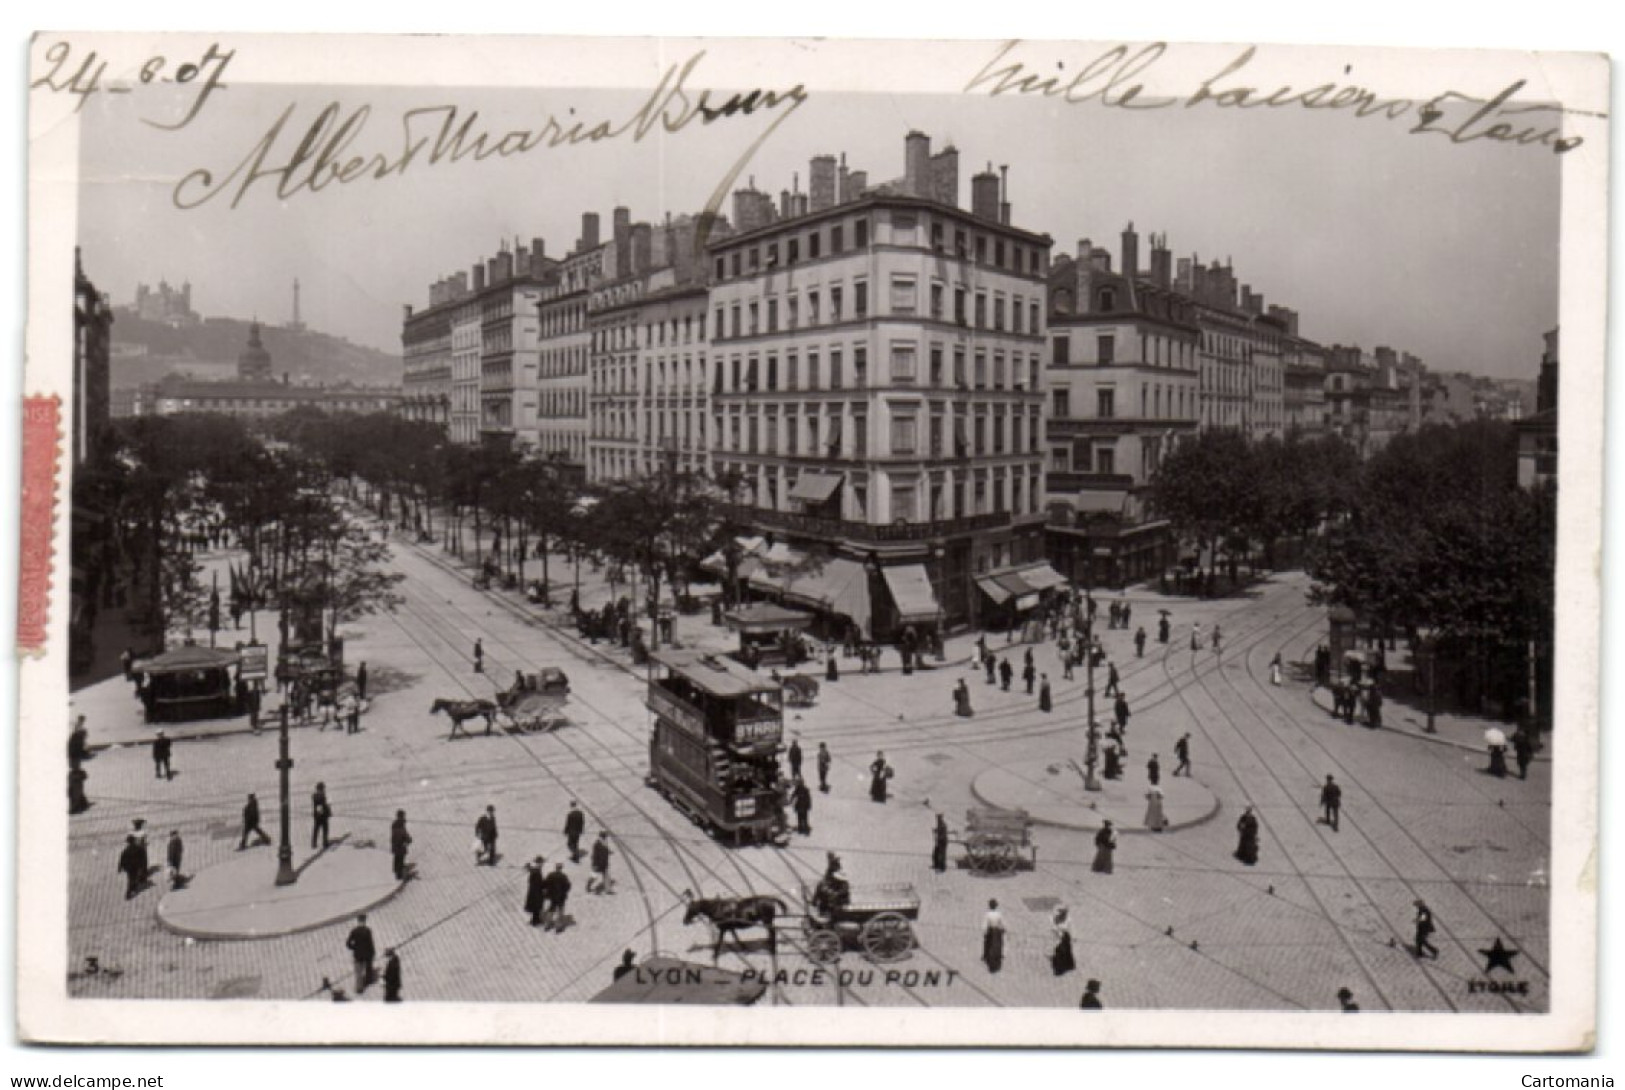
(1495, 737)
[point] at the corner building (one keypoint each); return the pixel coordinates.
(878, 385)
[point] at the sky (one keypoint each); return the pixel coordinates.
(1375, 238)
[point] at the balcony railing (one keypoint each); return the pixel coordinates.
(830, 527)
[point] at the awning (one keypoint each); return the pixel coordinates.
(815, 488)
(186, 658)
(1099, 503)
(1026, 602)
(839, 586)
(667, 980)
(1042, 577)
(911, 590)
(767, 617)
(717, 563)
(1012, 582)
(990, 587)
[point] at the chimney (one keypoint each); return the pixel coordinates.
(502, 267)
(460, 282)
(857, 181)
(917, 164)
(621, 220)
(1085, 248)
(821, 182)
(479, 277)
(642, 243)
(785, 211)
(1160, 261)
(1131, 252)
(408, 315)
(984, 194)
(521, 261)
(1100, 259)
(945, 176)
(1004, 194)
(1184, 282)
(589, 232)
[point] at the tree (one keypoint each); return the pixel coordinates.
(1208, 487)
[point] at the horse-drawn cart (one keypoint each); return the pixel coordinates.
(535, 702)
(800, 691)
(998, 841)
(879, 920)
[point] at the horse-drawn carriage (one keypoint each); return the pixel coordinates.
(879, 920)
(535, 702)
(999, 841)
(800, 691)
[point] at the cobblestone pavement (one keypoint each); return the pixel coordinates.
(1179, 923)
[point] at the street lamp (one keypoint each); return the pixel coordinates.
(1091, 781)
(285, 875)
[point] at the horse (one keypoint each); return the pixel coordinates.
(730, 915)
(461, 711)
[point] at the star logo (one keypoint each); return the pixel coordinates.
(1498, 957)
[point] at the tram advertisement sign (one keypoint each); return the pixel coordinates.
(255, 664)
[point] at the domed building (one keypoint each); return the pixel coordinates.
(254, 363)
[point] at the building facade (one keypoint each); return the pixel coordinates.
(564, 349)
(92, 366)
(878, 383)
(1537, 433)
(1124, 386)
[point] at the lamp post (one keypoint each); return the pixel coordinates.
(285, 875)
(1091, 781)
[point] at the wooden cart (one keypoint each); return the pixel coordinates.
(535, 702)
(999, 842)
(879, 920)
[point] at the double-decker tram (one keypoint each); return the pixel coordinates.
(714, 750)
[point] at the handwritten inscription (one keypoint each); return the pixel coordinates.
(1113, 78)
(291, 158)
(84, 75)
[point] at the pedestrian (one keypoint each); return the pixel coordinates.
(479, 656)
(1029, 675)
(1182, 750)
(1153, 770)
(1345, 999)
(392, 976)
(824, 761)
(1163, 629)
(362, 952)
(993, 938)
(575, 827)
(879, 773)
(557, 888)
(1351, 695)
(1128, 613)
(131, 866)
(1139, 643)
(1061, 959)
(1112, 686)
(1114, 763)
(962, 706)
(161, 749)
(399, 841)
(78, 801)
(1524, 749)
(1120, 710)
(1216, 640)
(126, 661)
(832, 672)
(1069, 662)
(1275, 669)
(1331, 803)
(1424, 930)
(535, 891)
(600, 882)
(1045, 703)
(1105, 845)
(174, 853)
(1196, 637)
(321, 813)
(485, 832)
(801, 799)
(628, 965)
(1247, 837)
(1373, 705)
(939, 845)
(361, 682)
(1006, 672)
(1091, 997)
(251, 823)
(1155, 819)
(794, 754)
(78, 743)
(990, 665)
(352, 718)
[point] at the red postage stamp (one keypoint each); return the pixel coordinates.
(41, 436)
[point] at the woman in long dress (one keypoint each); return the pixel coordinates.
(1045, 703)
(1061, 959)
(1155, 820)
(1105, 845)
(1247, 829)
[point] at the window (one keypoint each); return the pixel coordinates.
(1105, 460)
(755, 259)
(834, 368)
(980, 431)
(812, 307)
(998, 433)
(860, 435)
(902, 361)
(1015, 315)
(860, 233)
(860, 366)
(936, 365)
(860, 298)
(812, 370)
(936, 436)
(998, 252)
(1061, 350)
(936, 300)
(722, 268)
(1033, 324)
(734, 316)
(836, 245)
(998, 370)
(981, 249)
(959, 367)
(903, 434)
(772, 372)
(772, 255)
(790, 376)
(755, 318)
(904, 292)
(834, 304)
(1060, 404)
(813, 241)
(1108, 299)
(1060, 460)
(1105, 403)
(998, 312)
(903, 503)
(981, 369)
(1105, 348)
(735, 387)
(792, 251)
(936, 237)
(735, 262)
(959, 305)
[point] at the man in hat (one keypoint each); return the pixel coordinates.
(1153, 770)
(1139, 643)
(362, 952)
(794, 754)
(320, 814)
(879, 773)
(801, 800)
(251, 823)
(601, 882)
(535, 891)
(575, 827)
(132, 866)
(1424, 930)
(485, 829)
(174, 852)
(161, 749)
(1091, 997)
(399, 841)
(1346, 999)
(1182, 750)
(392, 976)
(557, 888)
(1331, 802)
(824, 761)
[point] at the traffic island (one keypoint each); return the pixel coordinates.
(1053, 794)
(240, 899)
